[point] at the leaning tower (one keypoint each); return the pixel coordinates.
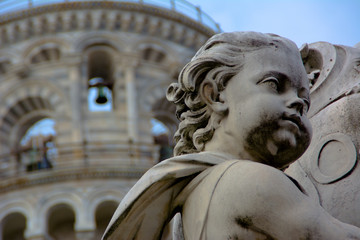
(98, 71)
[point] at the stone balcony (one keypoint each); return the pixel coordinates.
(95, 160)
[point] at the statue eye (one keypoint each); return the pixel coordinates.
(272, 83)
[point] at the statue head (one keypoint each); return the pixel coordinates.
(203, 101)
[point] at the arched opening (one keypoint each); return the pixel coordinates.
(59, 24)
(117, 22)
(103, 21)
(164, 126)
(61, 221)
(99, 97)
(4, 65)
(16, 33)
(4, 36)
(37, 146)
(88, 21)
(13, 226)
(44, 25)
(46, 54)
(100, 79)
(158, 128)
(152, 54)
(103, 215)
(161, 136)
(30, 29)
(73, 22)
(28, 134)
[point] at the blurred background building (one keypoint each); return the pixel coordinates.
(82, 91)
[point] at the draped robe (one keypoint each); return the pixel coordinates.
(159, 195)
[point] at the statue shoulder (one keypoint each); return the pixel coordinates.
(256, 199)
(242, 198)
(248, 198)
(249, 184)
(245, 171)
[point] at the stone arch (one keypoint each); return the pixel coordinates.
(103, 21)
(103, 214)
(59, 22)
(93, 39)
(88, 24)
(155, 105)
(8, 61)
(44, 24)
(13, 226)
(100, 196)
(5, 64)
(30, 27)
(152, 53)
(4, 35)
(108, 201)
(34, 88)
(25, 103)
(164, 111)
(16, 32)
(157, 47)
(47, 53)
(46, 43)
(55, 199)
(61, 220)
(19, 206)
(152, 95)
(99, 62)
(6, 54)
(22, 207)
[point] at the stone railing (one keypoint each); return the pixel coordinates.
(122, 158)
(7, 7)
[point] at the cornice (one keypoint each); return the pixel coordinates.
(108, 5)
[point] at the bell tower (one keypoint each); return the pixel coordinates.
(97, 73)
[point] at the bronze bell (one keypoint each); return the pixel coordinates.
(101, 98)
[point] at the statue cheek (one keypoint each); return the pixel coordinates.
(309, 129)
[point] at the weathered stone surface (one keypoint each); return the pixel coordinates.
(331, 162)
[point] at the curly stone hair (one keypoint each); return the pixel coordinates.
(220, 59)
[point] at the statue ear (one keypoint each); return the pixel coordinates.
(210, 95)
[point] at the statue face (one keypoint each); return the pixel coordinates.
(268, 101)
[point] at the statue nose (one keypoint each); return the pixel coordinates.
(297, 104)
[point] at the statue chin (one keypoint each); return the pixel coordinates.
(280, 149)
(286, 155)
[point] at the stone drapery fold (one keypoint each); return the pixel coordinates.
(153, 201)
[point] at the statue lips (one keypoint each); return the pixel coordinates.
(294, 120)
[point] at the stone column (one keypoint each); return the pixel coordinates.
(84, 226)
(76, 98)
(119, 84)
(33, 231)
(131, 99)
(35, 225)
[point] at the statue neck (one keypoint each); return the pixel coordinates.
(223, 142)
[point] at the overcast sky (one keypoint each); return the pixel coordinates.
(334, 21)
